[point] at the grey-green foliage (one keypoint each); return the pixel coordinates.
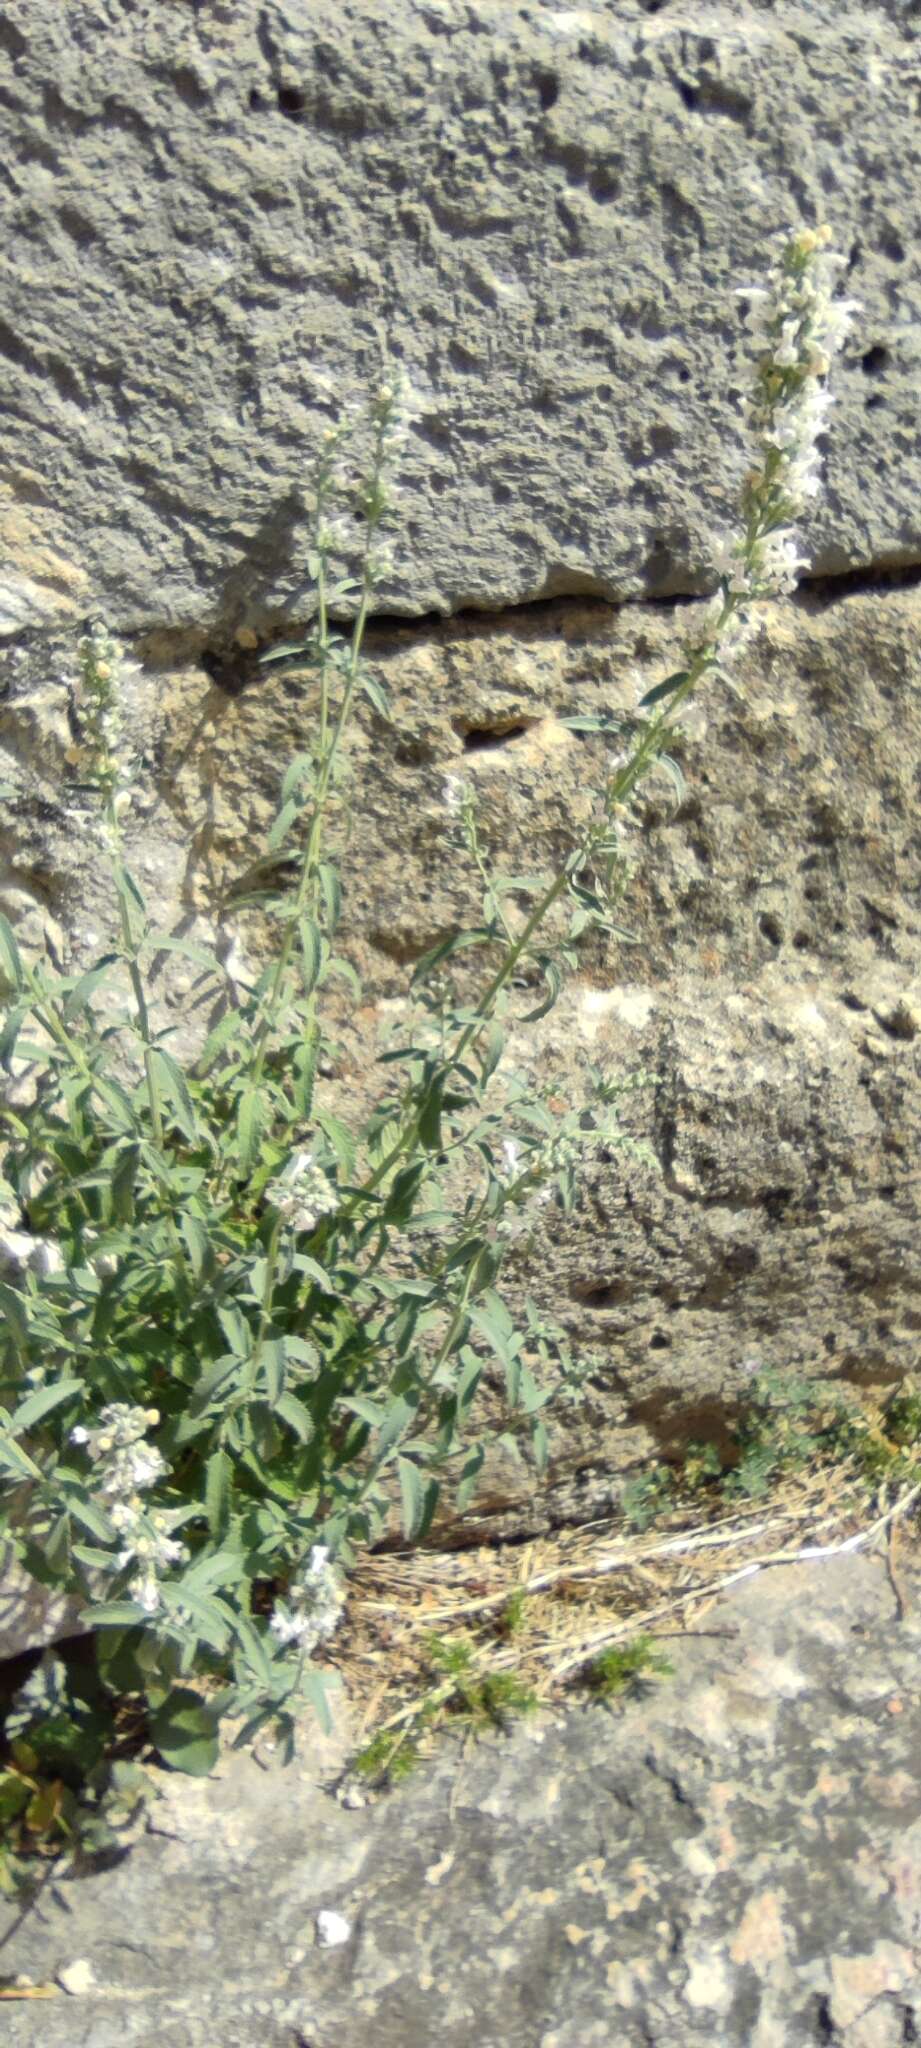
(235, 1328)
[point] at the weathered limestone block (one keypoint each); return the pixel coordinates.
(732, 1857)
(221, 220)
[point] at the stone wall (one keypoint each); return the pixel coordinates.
(224, 219)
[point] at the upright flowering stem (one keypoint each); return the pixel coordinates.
(376, 505)
(800, 327)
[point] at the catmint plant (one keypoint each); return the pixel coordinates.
(240, 1334)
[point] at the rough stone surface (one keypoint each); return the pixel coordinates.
(771, 993)
(221, 218)
(734, 1858)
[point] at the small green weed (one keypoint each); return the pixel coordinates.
(647, 1497)
(621, 1667)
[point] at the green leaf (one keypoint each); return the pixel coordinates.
(419, 1497)
(215, 1381)
(249, 1127)
(540, 1444)
(554, 983)
(674, 772)
(122, 1177)
(430, 1112)
(15, 1794)
(377, 694)
(305, 1072)
(286, 652)
(41, 1403)
(229, 1027)
(218, 1474)
(666, 689)
(313, 1684)
(469, 1474)
(121, 1660)
(273, 1368)
(236, 1329)
(251, 1643)
(297, 771)
(492, 1319)
(91, 1517)
(531, 1397)
(287, 816)
(492, 1051)
(294, 1415)
(397, 1418)
(16, 1319)
(197, 1243)
(340, 1138)
(331, 889)
(114, 1614)
(16, 1460)
(174, 1088)
(163, 942)
(211, 1620)
(311, 953)
(85, 987)
(347, 973)
(366, 1409)
(10, 962)
(184, 1732)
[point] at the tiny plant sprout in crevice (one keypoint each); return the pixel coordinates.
(241, 1334)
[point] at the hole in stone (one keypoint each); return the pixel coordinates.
(480, 738)
(291, 101)
(548, 88)
(608, 1295)
(802, 942)
(770, 928)
(659, 1341)
(874, 361)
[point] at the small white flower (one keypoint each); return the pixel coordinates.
(146, 1592)
(288, 1628)
(512, 1154)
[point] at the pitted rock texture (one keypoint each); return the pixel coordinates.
(733, 1858)
(223, 220)
(770, 993)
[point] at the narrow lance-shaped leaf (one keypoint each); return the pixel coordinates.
(665, 689)
(10, 962)
(175, 1092)
(419, 1497)
(42, 1403)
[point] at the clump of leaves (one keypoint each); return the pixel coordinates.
(483, 1697)
(390, 1756)
(621, 1667)
(467, 1691)
(647, 1496)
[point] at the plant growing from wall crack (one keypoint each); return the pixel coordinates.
(237, 1330)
